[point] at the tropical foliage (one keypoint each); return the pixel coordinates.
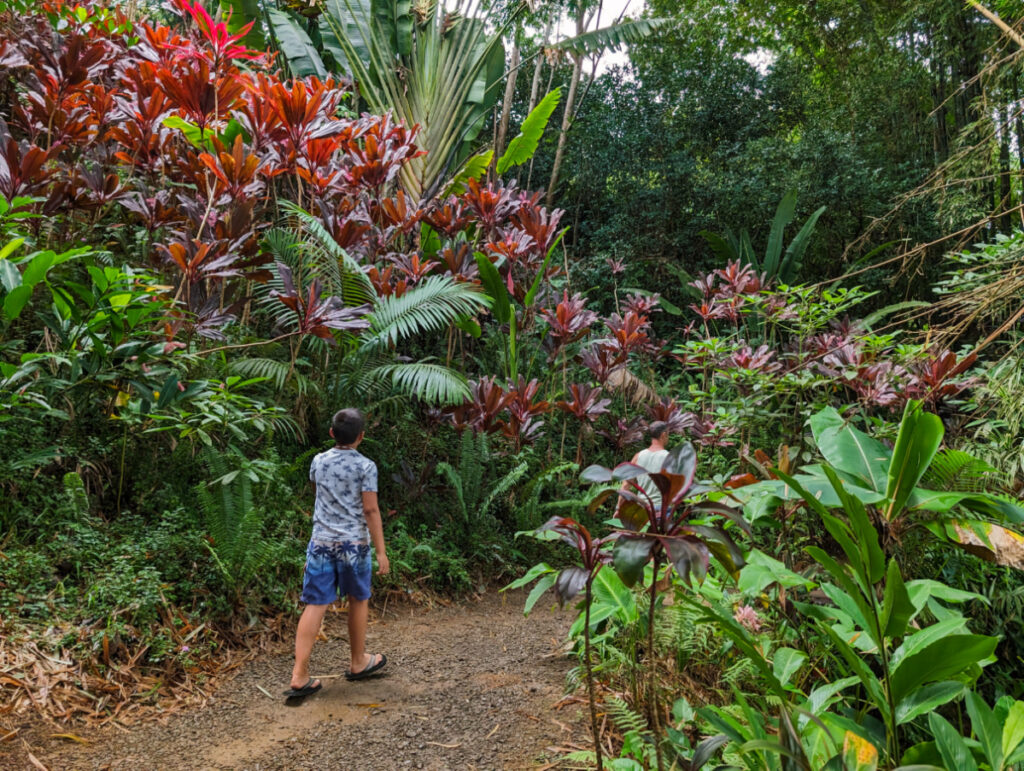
(218, 228)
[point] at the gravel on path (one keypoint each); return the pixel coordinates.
(470, 686)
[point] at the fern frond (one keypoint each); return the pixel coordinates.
(503, 485)
(474, 455)
(958, 471)
(624, 717)
(455, 481)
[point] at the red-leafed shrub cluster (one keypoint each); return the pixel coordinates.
(179, 148)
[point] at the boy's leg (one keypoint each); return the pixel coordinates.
(305, 636)
(358, 616)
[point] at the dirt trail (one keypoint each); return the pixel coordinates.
(467, 687)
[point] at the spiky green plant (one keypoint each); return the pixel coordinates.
(234, 523)
(476, 494)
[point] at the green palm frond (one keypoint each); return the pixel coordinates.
(277, 372)
(341, 274)
(284, 245)
(432, 305)
(233, 521)
(433, 383)
(612, 36)
(359, 377)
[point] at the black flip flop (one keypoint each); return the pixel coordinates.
(370, 670)
(300, 693)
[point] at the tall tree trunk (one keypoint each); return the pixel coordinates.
(538, 65)
(563, 135)
(1018, 118)
(506, 104)
(1005, 203)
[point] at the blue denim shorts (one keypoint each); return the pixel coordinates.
(334, 569)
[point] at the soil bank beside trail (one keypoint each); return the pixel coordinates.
(471, 686)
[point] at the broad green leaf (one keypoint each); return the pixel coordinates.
(952, 747)
(761, 571)
(857, 665)
(16, 300)
(783, 216)
(1013, 729)
(995, 506)
(10, 247)
(630, 555)
(871, 319)
(538, 279)
(926, 699)
(860, 540)
(495, 288)
(37, 268)
(917, 641)
(792, 260)
(824, 695)
(295, 44)
(851, 450)
(10, 276)
(394, 19)
(609, 592)
(541, 568)
(469, 325)
(917, 442)
(922, 589)
(986, 728)
(612, 36)
(524, 145)
(243, 12)
(545, 582)
(897, 609)
(786, 662)
(939, 660)
(474, 168)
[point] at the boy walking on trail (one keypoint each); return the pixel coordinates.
(346, 520)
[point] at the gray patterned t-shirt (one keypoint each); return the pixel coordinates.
(341, 478)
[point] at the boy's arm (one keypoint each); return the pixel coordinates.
(373, 521)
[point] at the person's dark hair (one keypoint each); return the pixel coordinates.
(347, 425)
(656, 429)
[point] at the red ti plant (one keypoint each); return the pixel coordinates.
(677, 532)
(524, 424)
(586, 405)
(488, 400)
(932, 377)
(667, 411)
(568, 322)
(569, 583)
(623, 433)
(316, 315)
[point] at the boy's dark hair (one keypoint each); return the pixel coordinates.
(347, 425)
(656, 429)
